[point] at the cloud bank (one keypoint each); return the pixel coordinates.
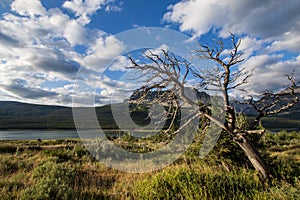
(39, 55)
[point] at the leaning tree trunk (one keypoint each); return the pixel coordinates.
(254, 156)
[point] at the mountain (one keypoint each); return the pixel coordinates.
(16, 115)
(152, 95)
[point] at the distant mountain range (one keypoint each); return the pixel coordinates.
(190, 92)
(16, 115)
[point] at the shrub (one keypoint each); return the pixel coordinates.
(51, 181)
(90, 195)
(284, 169)
(186, 183)
(60, 153)
(11, 186)
(7, 196)
(7, 167)
(34, 148)
(8, 149)
(80, 151)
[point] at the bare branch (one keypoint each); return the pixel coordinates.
(271, 103)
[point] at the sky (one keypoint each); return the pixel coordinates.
(46, 46)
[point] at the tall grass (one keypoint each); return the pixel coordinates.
(64, 169)
(190, 183)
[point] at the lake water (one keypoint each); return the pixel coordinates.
(35, 134)
(55, 134)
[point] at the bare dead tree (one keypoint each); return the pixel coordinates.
(168, 75)
(165, 77)
(271, 103)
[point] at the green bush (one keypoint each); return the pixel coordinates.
(7, 196)
(11, 186)
(80, 151)
(60, 153)
(89, 195)
(286, 170)
(51, 181)
(283, 148)
(281, 138)
(186, 183)
(129, 138)
(8, 149)
(8, 167)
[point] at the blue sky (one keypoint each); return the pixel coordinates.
(44, 44)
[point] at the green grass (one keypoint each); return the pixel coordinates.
(64, 169)
(184, 182)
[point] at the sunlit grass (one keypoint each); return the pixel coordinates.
(64, 169)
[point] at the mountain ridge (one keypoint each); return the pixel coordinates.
(19, 115)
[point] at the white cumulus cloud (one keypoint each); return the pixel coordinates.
(28, 7)
(83, 9)
(38, 56)
(273, 20)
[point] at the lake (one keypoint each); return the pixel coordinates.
(35, 134)
(57, 134)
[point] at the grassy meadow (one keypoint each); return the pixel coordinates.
(64, 169)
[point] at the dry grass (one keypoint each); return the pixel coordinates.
(21, 163)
